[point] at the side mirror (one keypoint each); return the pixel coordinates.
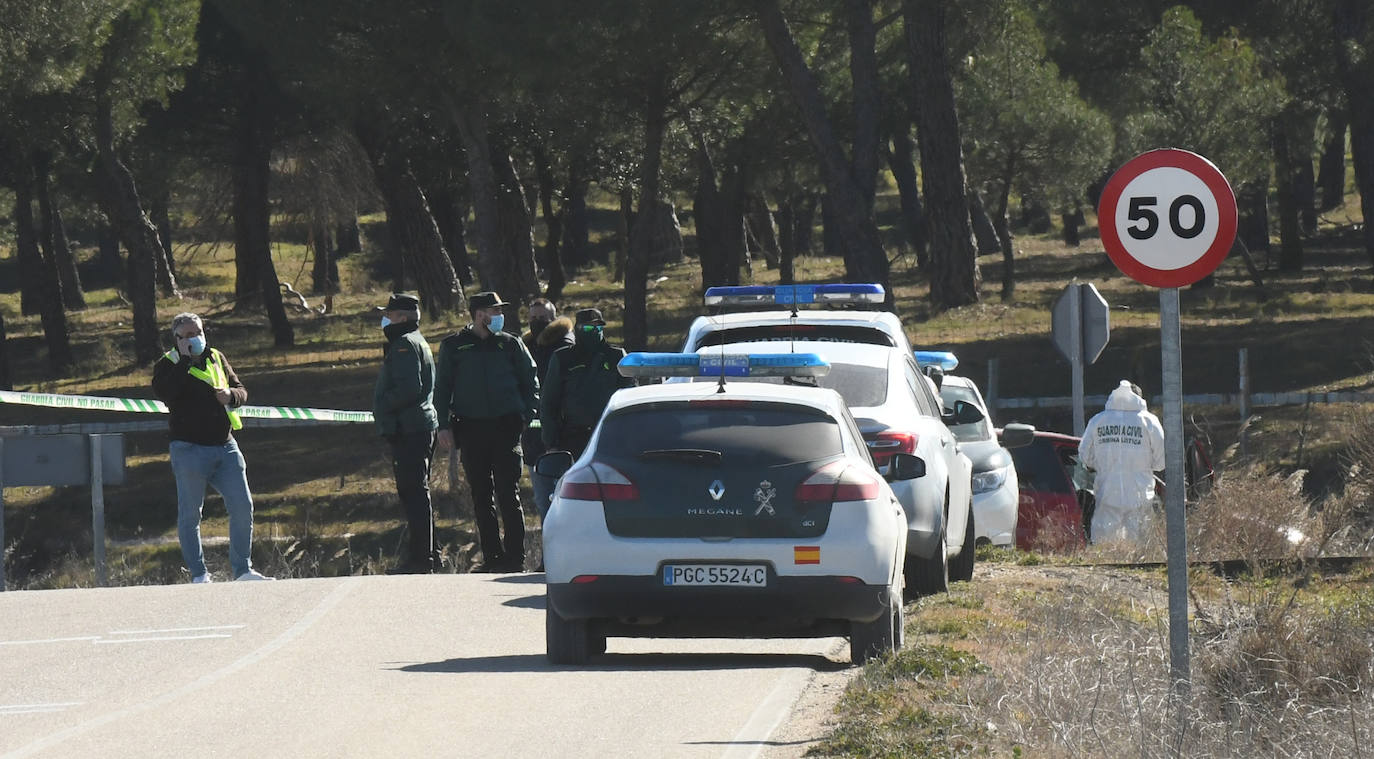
(553, 464)
(1017, 435)
(964, 413)
(905, 466)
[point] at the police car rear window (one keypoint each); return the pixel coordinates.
(826, 333)
(745, 433)
(860, 386)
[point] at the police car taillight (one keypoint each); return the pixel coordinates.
(837, 481)
(787, 295)
(883, 445)
(597, 482)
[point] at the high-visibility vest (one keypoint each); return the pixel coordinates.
(212, 375)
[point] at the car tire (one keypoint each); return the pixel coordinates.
(961, 569)
(871, 639)
(928, 576)
(568, 641)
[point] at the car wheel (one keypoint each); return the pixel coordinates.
(961, 569)
(567, 641)
(926, 577)
(870, 639)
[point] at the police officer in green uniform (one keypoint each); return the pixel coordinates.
(580, 381)
(485, 393)
(403, 408)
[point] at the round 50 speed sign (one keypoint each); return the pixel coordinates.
(1167, 218)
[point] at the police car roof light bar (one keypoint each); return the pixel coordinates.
(785, 295)
(946, 360)
(723, 365)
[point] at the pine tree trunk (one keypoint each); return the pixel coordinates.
(484, 190)
(954, 275)
(787, 239)
(53, 240)
(706, 211)
(1252, 199)
(641, 235)
(517, 233)
(623, 221)
(1071, 221)
(49, 283)
(416, 237)
(449, 212)
(1305, 180)
(252, 208)
(553, 226)
(1331, 177)
(125, 211)
(904, 172)
(804, 234)
(1352, 19)
(1002, 224)
(5, 382)
(1286, 159)
(349, 237)
(111, 264)
(865, 260)
(576, 230)
(984, 231)
(324, 273)
(30, 260)
(160, 214)
(864, 80)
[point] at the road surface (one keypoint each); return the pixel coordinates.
(439, 665)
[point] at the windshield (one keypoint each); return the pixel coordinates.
(743, 433)
(964, 433)
(787, 332)
(859, 386)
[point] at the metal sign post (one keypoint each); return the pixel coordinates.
(1080, 327)
(98, 510)
(1168, 219)
(1176, 535)
(2, 515)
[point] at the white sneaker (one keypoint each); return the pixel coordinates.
(201, 579)
(253, 574)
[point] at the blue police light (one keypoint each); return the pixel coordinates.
(943, 359)
(727, 365)
(786, 295)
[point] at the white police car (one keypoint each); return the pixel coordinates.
(715, 510)
(996, 491)
(839, 322)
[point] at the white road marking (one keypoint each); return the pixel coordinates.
(175, 695)
(107, 641)
(36, 708)
(176, 630)
(47, 640)
(751, 739)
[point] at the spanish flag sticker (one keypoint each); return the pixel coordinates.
(806, 554)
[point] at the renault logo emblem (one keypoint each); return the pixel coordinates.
(717, 490)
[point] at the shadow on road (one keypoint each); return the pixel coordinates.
(683, 662)
(525, 602)
(527, 578)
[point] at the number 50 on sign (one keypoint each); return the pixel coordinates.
(1167, 218)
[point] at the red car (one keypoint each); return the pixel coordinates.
(1054, 493)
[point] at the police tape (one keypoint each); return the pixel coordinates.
(149, 406)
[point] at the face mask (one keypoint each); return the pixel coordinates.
(386, 322)
(497, 322)
(196, 345)
(538, 325)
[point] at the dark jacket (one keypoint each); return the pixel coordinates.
(195, 415)
(403, 400)
(558, 334)
(484, 378)
(579, 384)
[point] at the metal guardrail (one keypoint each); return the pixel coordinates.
(1202, 399)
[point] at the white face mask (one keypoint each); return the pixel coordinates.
(385, 322)
(497, 322)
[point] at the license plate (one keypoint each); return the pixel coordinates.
(737, 575)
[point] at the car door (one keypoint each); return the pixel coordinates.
(957, 466)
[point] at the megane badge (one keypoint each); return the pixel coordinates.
(717, 490)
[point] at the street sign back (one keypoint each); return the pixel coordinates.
(1095, 326)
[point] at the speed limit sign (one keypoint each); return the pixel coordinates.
(1167, 218)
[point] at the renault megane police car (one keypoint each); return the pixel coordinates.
(723, 510)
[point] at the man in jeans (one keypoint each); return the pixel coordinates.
(201, 392)
(485, 393)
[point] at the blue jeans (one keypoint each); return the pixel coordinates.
(222, 467)
(543, 493)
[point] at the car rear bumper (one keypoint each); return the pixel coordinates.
(643, 605)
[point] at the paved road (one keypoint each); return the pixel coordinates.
(443, 665)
